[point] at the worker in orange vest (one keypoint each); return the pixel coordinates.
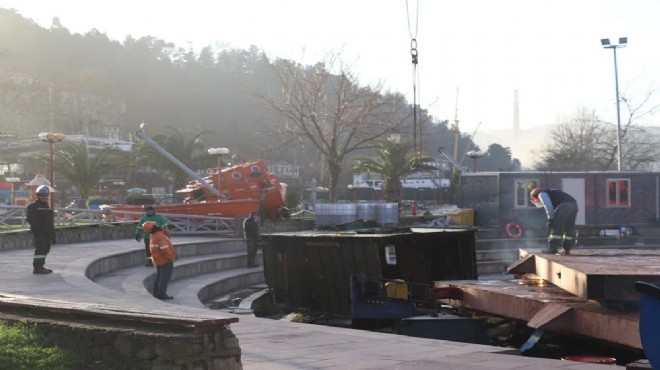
(163, 255)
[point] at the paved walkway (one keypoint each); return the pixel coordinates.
(265, 344)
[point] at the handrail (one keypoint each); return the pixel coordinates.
(182, 223)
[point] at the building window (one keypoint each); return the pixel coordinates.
(522, 189)
(618, 193)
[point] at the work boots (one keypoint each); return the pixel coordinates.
(41, 271)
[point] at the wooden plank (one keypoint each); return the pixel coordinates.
(374, 256)
(316, 289)
(332, 284)
(294, 269)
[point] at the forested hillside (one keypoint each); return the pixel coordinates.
(53, 80)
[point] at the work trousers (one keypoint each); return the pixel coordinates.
(562, 230)
(147, 248)
(42, 242)
(252, 245)
(163, 276)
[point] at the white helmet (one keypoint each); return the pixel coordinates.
(43, 189)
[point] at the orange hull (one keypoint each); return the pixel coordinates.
(244, 188)
(229, 208)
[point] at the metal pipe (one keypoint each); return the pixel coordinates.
(143, 135)
(618, 113)
(607, 45)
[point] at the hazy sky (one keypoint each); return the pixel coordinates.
(549, 50)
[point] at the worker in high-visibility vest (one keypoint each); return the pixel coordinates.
(561, 210)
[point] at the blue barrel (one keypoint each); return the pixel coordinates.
(334, 213)
(321, 214)
(366, 211)
(649, 320)
(387, 213)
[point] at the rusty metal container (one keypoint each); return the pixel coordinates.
(312, 269)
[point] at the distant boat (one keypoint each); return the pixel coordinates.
(406, 183)
(243, 188)
(649, 321)
(230, 192)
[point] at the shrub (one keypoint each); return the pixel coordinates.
(22, 348)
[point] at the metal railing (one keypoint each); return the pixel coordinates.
(13, 216)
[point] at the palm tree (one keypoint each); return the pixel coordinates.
(84, 172)
(395, 162)
(190, 151)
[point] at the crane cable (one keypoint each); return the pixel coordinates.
(415, 74)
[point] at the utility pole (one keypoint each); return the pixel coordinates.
(457, 132)
(607, 45)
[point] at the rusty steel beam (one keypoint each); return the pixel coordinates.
(546, 307)
(606, 275)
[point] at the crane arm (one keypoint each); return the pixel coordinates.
(451, 160)
(143, 135)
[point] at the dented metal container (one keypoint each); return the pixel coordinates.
(312, 269)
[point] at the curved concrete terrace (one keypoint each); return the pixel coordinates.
(109, 275)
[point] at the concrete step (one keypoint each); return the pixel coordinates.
(492, 266)
(200, 289)
(136, 257)
(500, 244)
(196, 278)
(497, 254)
(644, 231)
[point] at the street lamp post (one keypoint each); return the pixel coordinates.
(13, 181)
(353, 190)
(474, 154)
(219, 152)
(607, 45)
(51, 138)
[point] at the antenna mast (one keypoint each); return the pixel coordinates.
(457, 132)
(415, 75)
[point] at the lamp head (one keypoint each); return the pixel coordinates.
(51, 137)
(605, 42)
(218, 151)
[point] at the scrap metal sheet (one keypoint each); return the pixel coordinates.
(524, 299)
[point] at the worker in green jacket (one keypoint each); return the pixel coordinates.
(141, 234)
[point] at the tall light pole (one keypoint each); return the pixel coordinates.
(51, 138)
(607, 45)
(219, 152)
(13, 181)
(353, 190)
(474, 154)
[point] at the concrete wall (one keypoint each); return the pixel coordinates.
(138, 348)
(75, 234)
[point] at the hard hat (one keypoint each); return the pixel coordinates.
(148, 226)
(535, 194)
(43, 189)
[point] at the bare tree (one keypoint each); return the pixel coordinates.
(585, 143)
(331, 112)
(641, 147)
(580, 143)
